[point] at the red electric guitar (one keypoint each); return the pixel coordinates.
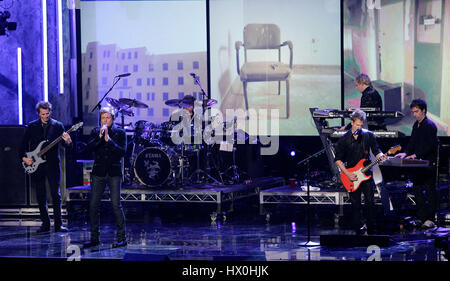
(359, 170)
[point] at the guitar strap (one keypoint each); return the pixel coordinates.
(364, 140)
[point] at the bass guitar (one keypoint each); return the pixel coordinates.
(359, 171)
(36, 155)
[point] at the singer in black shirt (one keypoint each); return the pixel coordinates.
(350, 149)
(109, 145)
(423, 144)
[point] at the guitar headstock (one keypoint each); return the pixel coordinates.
(394, 149)
(76, 127)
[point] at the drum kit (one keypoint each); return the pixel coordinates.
(154, 161)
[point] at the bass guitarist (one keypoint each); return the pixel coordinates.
(352, 147)
(46, 128)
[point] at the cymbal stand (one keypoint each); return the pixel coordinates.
(181, 161)
(199, 171)
(235, 178)
(234, 168)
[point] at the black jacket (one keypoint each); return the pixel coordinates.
(34, 134)
(108, 155)
(371, 98)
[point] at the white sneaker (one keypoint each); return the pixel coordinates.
(428, 224)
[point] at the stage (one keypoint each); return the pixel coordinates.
(221, 223)
(238, 240)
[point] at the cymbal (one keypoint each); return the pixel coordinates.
(208, 103)
(186, 101)
(133, 103)
(121, 108)
(126, 111)
(173, 102)
(113, 102)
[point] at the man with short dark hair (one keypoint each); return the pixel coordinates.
(350, 149)
(109, 143)
(423, 144)
(46, 128)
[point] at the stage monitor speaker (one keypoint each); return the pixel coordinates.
(13, 179)
(145, 257)
(348, 241)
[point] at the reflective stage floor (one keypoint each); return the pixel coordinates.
(235, 239)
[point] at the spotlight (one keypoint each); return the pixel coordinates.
(4, 24)
(292, 153)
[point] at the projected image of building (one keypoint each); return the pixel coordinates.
(154, 79)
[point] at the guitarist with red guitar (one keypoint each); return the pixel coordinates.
(353, 149)
(39, 130)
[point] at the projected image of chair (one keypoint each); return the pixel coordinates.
(263, 37)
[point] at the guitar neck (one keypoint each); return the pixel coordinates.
(52, 144)
(371, 165)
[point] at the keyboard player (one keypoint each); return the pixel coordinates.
(423, 144)
(370, 98)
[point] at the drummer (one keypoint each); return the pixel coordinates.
(184, 121)
(187, 103)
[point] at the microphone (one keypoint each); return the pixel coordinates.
(356, 132)
(102, 130)
(123, 75)
(193, 74)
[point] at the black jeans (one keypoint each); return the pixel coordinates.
(366, 188)
(424, 190)
(53, 174)
(98, 185)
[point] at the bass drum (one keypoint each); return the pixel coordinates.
(156, 166)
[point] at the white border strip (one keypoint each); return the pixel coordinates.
(44, 47)
(60, 49)
(19, 85)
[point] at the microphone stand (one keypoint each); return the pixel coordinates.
(309, 243)
(97, 106)
(438, 191)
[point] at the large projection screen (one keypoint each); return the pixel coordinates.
(159, 42)
(312, 27)
(404, 47)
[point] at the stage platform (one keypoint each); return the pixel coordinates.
(296, 195)
(205, 193)
(299, 196)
